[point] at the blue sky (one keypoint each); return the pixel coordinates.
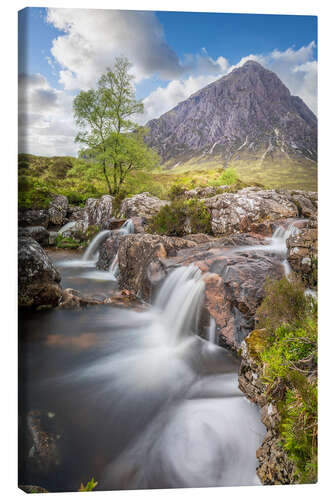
(173, 53)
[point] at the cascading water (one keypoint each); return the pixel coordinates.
(171, 419)
(91, 252)
(126, 228)
(212, 330)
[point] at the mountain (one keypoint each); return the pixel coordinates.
(246, 116)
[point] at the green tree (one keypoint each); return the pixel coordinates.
(105, 117)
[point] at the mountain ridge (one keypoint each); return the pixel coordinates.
(247, 114)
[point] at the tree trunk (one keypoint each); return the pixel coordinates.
(107, 179)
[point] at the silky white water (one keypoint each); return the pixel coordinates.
(176, 414)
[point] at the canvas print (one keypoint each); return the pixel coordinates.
(167, 250)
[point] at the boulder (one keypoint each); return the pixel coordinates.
(108, 250)
(98, 212)
(38, 233)
(75, 213)
(306, 202)
(74, 229)
(74, 299)
(204, 192)
(303, 253)
(38, 279)
(235, 212)
(140, 261)
(58, 210)
(142, 205)
(33, 218)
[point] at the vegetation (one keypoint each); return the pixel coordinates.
(90, 486)
(287, 351)
(181, 217)
(111, 137)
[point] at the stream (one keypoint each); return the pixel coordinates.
(136, 399)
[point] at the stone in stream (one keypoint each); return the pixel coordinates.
(38, 233)
(74, 299)
(38, 279)
(58, 210)
(141, 205)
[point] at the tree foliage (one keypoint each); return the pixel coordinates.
(105, 117)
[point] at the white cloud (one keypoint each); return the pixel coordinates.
(45, 118)
(93, 38)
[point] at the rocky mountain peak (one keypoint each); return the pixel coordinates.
(248, 112)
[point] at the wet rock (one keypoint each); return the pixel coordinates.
(141, 205)
(108, 250)
(33, 218)
(32, 489)
(58, 210)
(235, 212)
(73, 299)
(205, 192)
(74, 229)
(98, 212)
(303, 253)
(43, 454)
(140, 261)
(38, 233)
(52, 238)
(38, 279)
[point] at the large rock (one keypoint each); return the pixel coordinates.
(75, 213)
(125, 299)
(235, 212)
(142, 205)
(204, 192)
(98, 212)
(74, 229)
(33, 218)
(303, 252)
(58, 210)
(140, 261)
(38, 233)
(38, 279)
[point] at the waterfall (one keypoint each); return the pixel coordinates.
(280, 236)
(212, 330)
(179, 301)
(92, 250)
(126, 228)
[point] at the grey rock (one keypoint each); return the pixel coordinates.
(141, 205)
(38, 279)
(58, 210)
(98, 211)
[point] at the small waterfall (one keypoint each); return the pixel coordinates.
(180, 300)
(92, 250)
(126, 228)
(212, 330)
(280, 236)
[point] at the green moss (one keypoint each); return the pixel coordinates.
(180, 218)
(66, 242)
(288, 357)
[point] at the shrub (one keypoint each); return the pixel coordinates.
(176, 192)
(181, 217)
(284, 303)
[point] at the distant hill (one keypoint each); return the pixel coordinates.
(247, 119)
